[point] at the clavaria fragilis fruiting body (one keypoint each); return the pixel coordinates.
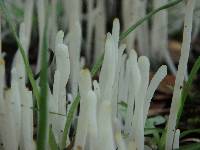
(74, 43)
(122, 78)
(97, 126)
(180, 73)
(85, 86)
(60, 81)
(138, 77)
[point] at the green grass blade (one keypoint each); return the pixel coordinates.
(52, 140)
(97, 66)
(161, 145)
(25, 59)
(70, 115)
(42, 139)
(187, 87)
(151, 131)
(185, 133)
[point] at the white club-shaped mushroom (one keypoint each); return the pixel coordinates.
(60, 81)
(62, 62)
(105, 130)
(92, 120)
(8, 125)
(157, 78)
(27, 121)
(59, 38)
(16, 103)
(138, 123)
(180, 73)
(176, 139)
(116, 32)
(133, 85)
(85, 86)
(2, 84)
(75, 37)
(107, 74)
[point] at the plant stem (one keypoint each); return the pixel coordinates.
(42, 139)
(69, 120)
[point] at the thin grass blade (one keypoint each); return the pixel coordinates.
(52, 140)
(187, 87)
(43, 128)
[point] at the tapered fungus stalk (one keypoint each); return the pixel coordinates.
(129, 8)
(137, 72)
(157, 78)
(75, 37)
(0, 38)
(28, 14)
(196, 27)
(58, 103)
(100, 29)
(123, 81)
(134, 83)
(72, 9)
(106, 139)
(107, 74)
(27, 141)
(159, 50)
(18, 61)
(176, 139)
(159, 31)
(16, 103)
(143, 30)
(180, 73)
(138, 123)
(92, 119)
(85, 86)
(119, 51)
(90, 22)
(8, 129)
(2, 75)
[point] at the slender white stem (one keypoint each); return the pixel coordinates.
(158, 77)
(176, 139)
(75, 37)
(85, 86)
(100, 29)
(180, 73)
